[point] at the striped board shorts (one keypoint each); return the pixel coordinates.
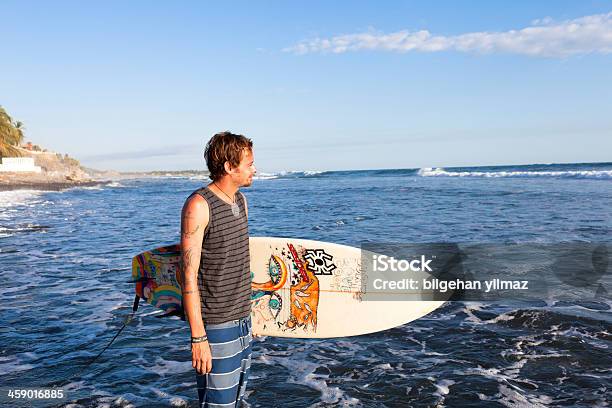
(230, 346)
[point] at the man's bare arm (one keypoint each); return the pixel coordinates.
(194, 219)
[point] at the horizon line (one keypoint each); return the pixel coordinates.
(370, 169)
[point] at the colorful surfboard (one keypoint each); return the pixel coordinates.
(301, 288)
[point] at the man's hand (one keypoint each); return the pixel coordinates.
(201, 358)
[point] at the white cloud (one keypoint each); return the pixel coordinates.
(544, 38)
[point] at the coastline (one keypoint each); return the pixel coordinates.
(50, 185)
(13, 181)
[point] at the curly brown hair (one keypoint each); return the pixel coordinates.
(225, 147)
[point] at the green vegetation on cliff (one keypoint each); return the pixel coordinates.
(11, 135)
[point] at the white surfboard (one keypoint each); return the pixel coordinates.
(300, 288)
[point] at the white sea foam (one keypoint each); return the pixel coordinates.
(440, 172)
(178, 402)
(292, 173)
(17, 197)
(170, 367)
(303, 372)
(469, 307)
(122, 402)
(173, 400)
(512, 397)
(442, 387)
(265, 176)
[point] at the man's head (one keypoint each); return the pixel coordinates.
(230, 155)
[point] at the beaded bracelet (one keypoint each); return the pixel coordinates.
(199, 339)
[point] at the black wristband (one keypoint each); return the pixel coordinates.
(201, 339)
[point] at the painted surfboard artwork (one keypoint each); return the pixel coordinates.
(300, 288)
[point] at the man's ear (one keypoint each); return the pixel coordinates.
(227, 166)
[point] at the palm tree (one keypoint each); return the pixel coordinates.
(11, 135)
(19, 127)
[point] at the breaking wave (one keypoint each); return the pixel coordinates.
(441, 172)
(575, 171)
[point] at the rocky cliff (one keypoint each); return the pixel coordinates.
(58, 171)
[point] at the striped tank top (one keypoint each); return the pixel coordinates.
(224, 279)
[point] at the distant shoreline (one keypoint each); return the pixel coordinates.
(49, 185)
(57, 182)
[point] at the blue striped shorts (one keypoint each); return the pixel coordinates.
(230, 346)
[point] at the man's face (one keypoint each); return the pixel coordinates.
(243, 174)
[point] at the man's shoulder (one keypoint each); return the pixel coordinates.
(196, 201)
(196, 209)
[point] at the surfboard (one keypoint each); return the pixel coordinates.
(300, 289)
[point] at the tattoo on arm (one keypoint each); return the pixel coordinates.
(187, 256)
(187, 234)
(192, 226)
(186, 264)
(187, 220)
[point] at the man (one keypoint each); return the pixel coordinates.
(216, 275)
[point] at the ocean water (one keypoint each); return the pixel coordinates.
(65, 259)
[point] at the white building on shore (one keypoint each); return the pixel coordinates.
(18, 164)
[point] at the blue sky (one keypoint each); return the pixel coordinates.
(317, 85)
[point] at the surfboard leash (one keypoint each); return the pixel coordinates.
(126, 321)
